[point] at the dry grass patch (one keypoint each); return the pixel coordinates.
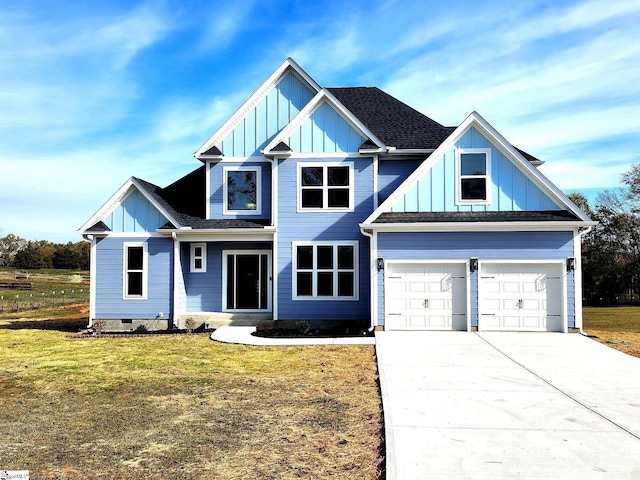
(617, 327)
(185, 407)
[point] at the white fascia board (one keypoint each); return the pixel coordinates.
(476, 120)
(122, 193)
(288, 65)
(224, 235)
(475, 226)
(120, 196)
(323, 95)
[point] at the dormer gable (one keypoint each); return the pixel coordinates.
(324, 126)
(475, 170)
(263, 114)
(132, 209)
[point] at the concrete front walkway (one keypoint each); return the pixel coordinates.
(243, 335)
(462, 405)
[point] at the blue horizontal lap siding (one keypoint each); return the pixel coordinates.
(216, 200)
(486, 246)
(322, 226)
(135, 214)
(391, 173)
(267, 118)
(511, 190)
(109, 280)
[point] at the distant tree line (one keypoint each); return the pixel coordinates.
(16, 252)
(611, 250)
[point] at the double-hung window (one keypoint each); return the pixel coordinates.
(325, 270)
(135, 271)
(242, 191)
(325, 186)
(473, 170)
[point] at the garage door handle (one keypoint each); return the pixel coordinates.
(425, 304)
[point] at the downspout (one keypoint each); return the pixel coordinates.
(176, 263)
(581, 233)
(92, 276)
(372, 292)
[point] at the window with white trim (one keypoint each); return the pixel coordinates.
(325, 270)
(473, 171)
(135, 271)
(241, 187)
(198, 257)
(325, 186)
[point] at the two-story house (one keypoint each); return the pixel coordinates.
(341, 205)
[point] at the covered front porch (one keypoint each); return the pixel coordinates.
(223, 282)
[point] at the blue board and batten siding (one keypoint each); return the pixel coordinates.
(267, 118)
(135, 214)
(110, 303)
(486, 246)
(511, 190)
(295, 226)
(325, 131)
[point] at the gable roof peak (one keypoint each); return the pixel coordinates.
(289, 65)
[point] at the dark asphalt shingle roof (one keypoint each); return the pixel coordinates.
(392, 121)
(450, 217)
(184, 200)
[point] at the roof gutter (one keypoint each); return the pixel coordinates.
(473, 226)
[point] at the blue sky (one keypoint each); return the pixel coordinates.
(92, 93)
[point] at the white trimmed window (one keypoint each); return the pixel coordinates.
(198, 257)
(135, 271)
(325, 270)
(241, 189)
(325, 186)
(473, 173)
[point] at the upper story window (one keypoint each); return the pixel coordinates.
(473, 171)
(135, 271)
(325, 186)
(242, 191)
(198, 257)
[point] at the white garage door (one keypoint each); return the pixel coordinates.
(521, 297)
(426, 297)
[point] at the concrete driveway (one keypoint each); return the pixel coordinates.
(508, 405)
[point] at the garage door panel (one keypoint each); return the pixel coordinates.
(533, 305)
(532, 322)
(511, 287)
(417, 320)
(415, 304)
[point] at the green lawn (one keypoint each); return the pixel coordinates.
(615, 319)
